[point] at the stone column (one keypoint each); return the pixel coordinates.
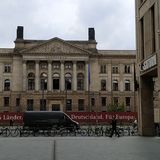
(86, 76)
(37, 76)
(24, 75)
(62, 76)
(49, 75)
(74, 76)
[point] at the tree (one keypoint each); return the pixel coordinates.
(116, 107)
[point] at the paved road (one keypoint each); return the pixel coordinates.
(80, 148)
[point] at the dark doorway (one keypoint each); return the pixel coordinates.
(55, 107)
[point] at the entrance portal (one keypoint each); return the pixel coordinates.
(55, 107)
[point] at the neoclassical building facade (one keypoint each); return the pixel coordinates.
(65, 75)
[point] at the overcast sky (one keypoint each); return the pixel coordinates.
(113, 20)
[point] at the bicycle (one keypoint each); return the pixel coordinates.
(14, 132)
(5, 132)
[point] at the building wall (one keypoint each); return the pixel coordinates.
(62, 52)
(147, 26)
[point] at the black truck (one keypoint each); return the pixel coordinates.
(48, 120)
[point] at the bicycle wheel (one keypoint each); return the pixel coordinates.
(25, 132)
(98, 132)
(15, 132)
(83, 132)
(6, 132)
(90, 132)
(108, 132)
(64, 132)
(120, 131)
(54, 132)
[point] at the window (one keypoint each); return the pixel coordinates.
(7, 68)
(31, 81)
(68, 105)
(81, 105)
(31, 84)
(103, 69)
(115, 69)
(92, 101)
(68, 81)
(103, 85)
(127, 69)
(43, 81)
(115, 100)
(115, 85)
(80, 81)
(56, 79)
(7, 85)
(42, 104)
(127, 85)
(29, 104)
(103, 101)
(43, 84)
(17, 104)
(128, 103)
(6, 101)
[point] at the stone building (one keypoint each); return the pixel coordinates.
(65, 75)
(148, 57)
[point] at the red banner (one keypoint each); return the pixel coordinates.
(102, 117)
(81, 117)
(14, 116)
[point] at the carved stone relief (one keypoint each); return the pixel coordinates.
(57, 47)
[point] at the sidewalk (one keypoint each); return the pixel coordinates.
(80, 148)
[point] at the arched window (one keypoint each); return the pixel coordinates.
(80, 81)
(68, 81)
(115, 85)
(103, 85)
(43, 78)
(31, 81)
(56, 79)
(127, 85)
(7, 85)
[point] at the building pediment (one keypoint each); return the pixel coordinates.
(56, 46)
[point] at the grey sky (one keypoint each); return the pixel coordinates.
(113, 20)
